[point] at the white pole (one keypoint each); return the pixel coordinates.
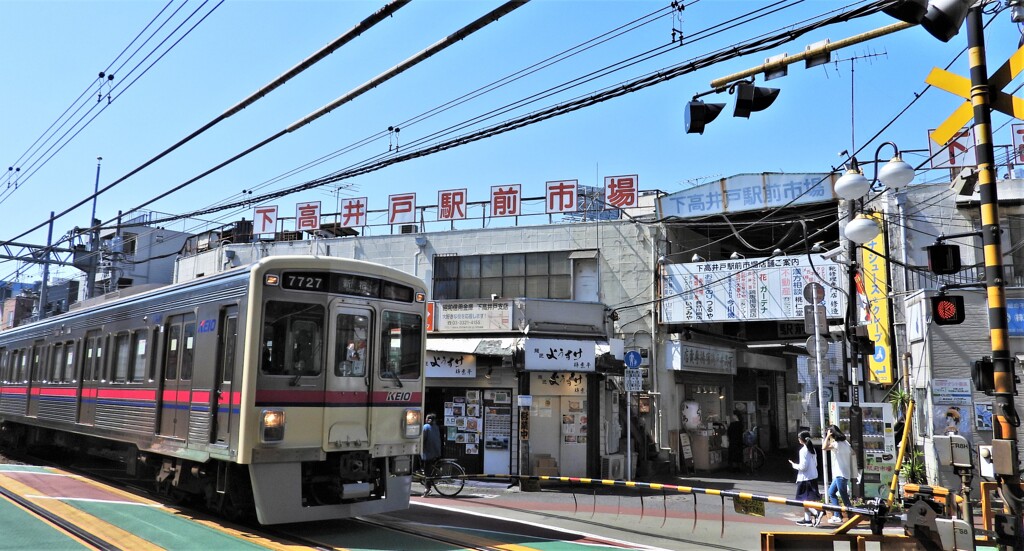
(821, 390)
(629, 438)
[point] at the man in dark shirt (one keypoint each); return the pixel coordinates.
(431, 447)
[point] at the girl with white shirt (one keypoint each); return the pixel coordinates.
(807, 479)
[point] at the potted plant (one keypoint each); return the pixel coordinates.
(913, 470)
(899, 399)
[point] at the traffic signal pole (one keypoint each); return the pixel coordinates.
(1005, 419)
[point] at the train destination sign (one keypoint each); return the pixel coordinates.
(346, 284)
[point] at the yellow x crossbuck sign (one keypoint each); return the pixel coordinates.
(960, 86)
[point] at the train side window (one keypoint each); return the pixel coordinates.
(69, 362)
(292, 338)
(4, 375)
(155, 358)
(122, 357)
(187, 351)
(23, 356)
(229, 329)
(171, 357)
(54, 365)
(37, 362)
(103, 366)
(139, 365)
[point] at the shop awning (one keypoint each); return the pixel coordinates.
(478, 346)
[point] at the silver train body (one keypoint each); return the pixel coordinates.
(291, 388)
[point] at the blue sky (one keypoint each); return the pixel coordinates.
(52, 51)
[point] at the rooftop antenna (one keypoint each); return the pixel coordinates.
(852, 60)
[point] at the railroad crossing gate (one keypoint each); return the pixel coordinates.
(961, 86)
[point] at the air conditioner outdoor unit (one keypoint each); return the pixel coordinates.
(612, 466)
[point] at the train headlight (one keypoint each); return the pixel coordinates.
(412, 423)
(272, 425)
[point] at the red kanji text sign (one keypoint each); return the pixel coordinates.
(621, 192)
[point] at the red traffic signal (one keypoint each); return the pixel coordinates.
(948, 309)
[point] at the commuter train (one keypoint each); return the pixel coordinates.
(291, 388)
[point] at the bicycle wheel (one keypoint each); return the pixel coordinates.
(753, 458)
(448, 479)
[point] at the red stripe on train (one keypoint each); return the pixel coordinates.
(148, 394)
(233, 398)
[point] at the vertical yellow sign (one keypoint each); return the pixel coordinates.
(876, 290)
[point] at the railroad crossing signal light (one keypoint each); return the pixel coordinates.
(750, 98)
(983, 373)
(943, 259)
(948, 309)
(941, 18)
(699, 114)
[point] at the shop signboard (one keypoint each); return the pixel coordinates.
(749, 289)
(683, 356)
(456, 366)
(745, 192)
(481, 316)
(559, 355)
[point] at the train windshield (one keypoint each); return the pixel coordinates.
(402, 345)
(292, 338)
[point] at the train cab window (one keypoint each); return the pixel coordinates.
(401, 346)
(292, 338)
(351, 345)
(139, 366)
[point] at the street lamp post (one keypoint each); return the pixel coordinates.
(852, 187)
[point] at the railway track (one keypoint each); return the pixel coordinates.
(71, 529)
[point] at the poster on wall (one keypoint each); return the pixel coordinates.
(574, 422)
(952, 420)
(983, 416)
(952, 408)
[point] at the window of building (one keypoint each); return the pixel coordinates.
(529, 275)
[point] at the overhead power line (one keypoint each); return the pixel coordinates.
(361, 27)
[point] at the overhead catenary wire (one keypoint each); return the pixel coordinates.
(442, 44)
(605, 94)
(83, 121)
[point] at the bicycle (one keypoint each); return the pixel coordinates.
(446, 476)
(753, 455)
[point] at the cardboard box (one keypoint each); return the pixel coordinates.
(545, 462)
(545, 471)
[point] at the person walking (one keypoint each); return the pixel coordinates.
(807, 479)
(431, 449)
(844, 469)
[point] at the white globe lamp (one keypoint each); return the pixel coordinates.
(852, 185)
(861, 229)
(896, 174)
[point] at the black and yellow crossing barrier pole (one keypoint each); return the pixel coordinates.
(872, 512)
(1005, 419)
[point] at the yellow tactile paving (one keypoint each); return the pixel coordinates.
(87, 522)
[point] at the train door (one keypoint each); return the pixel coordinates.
(347, 414)
(225, 402)
(176, 392)
(35, 380)
(92, 363)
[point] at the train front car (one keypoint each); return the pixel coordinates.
(333, 388)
